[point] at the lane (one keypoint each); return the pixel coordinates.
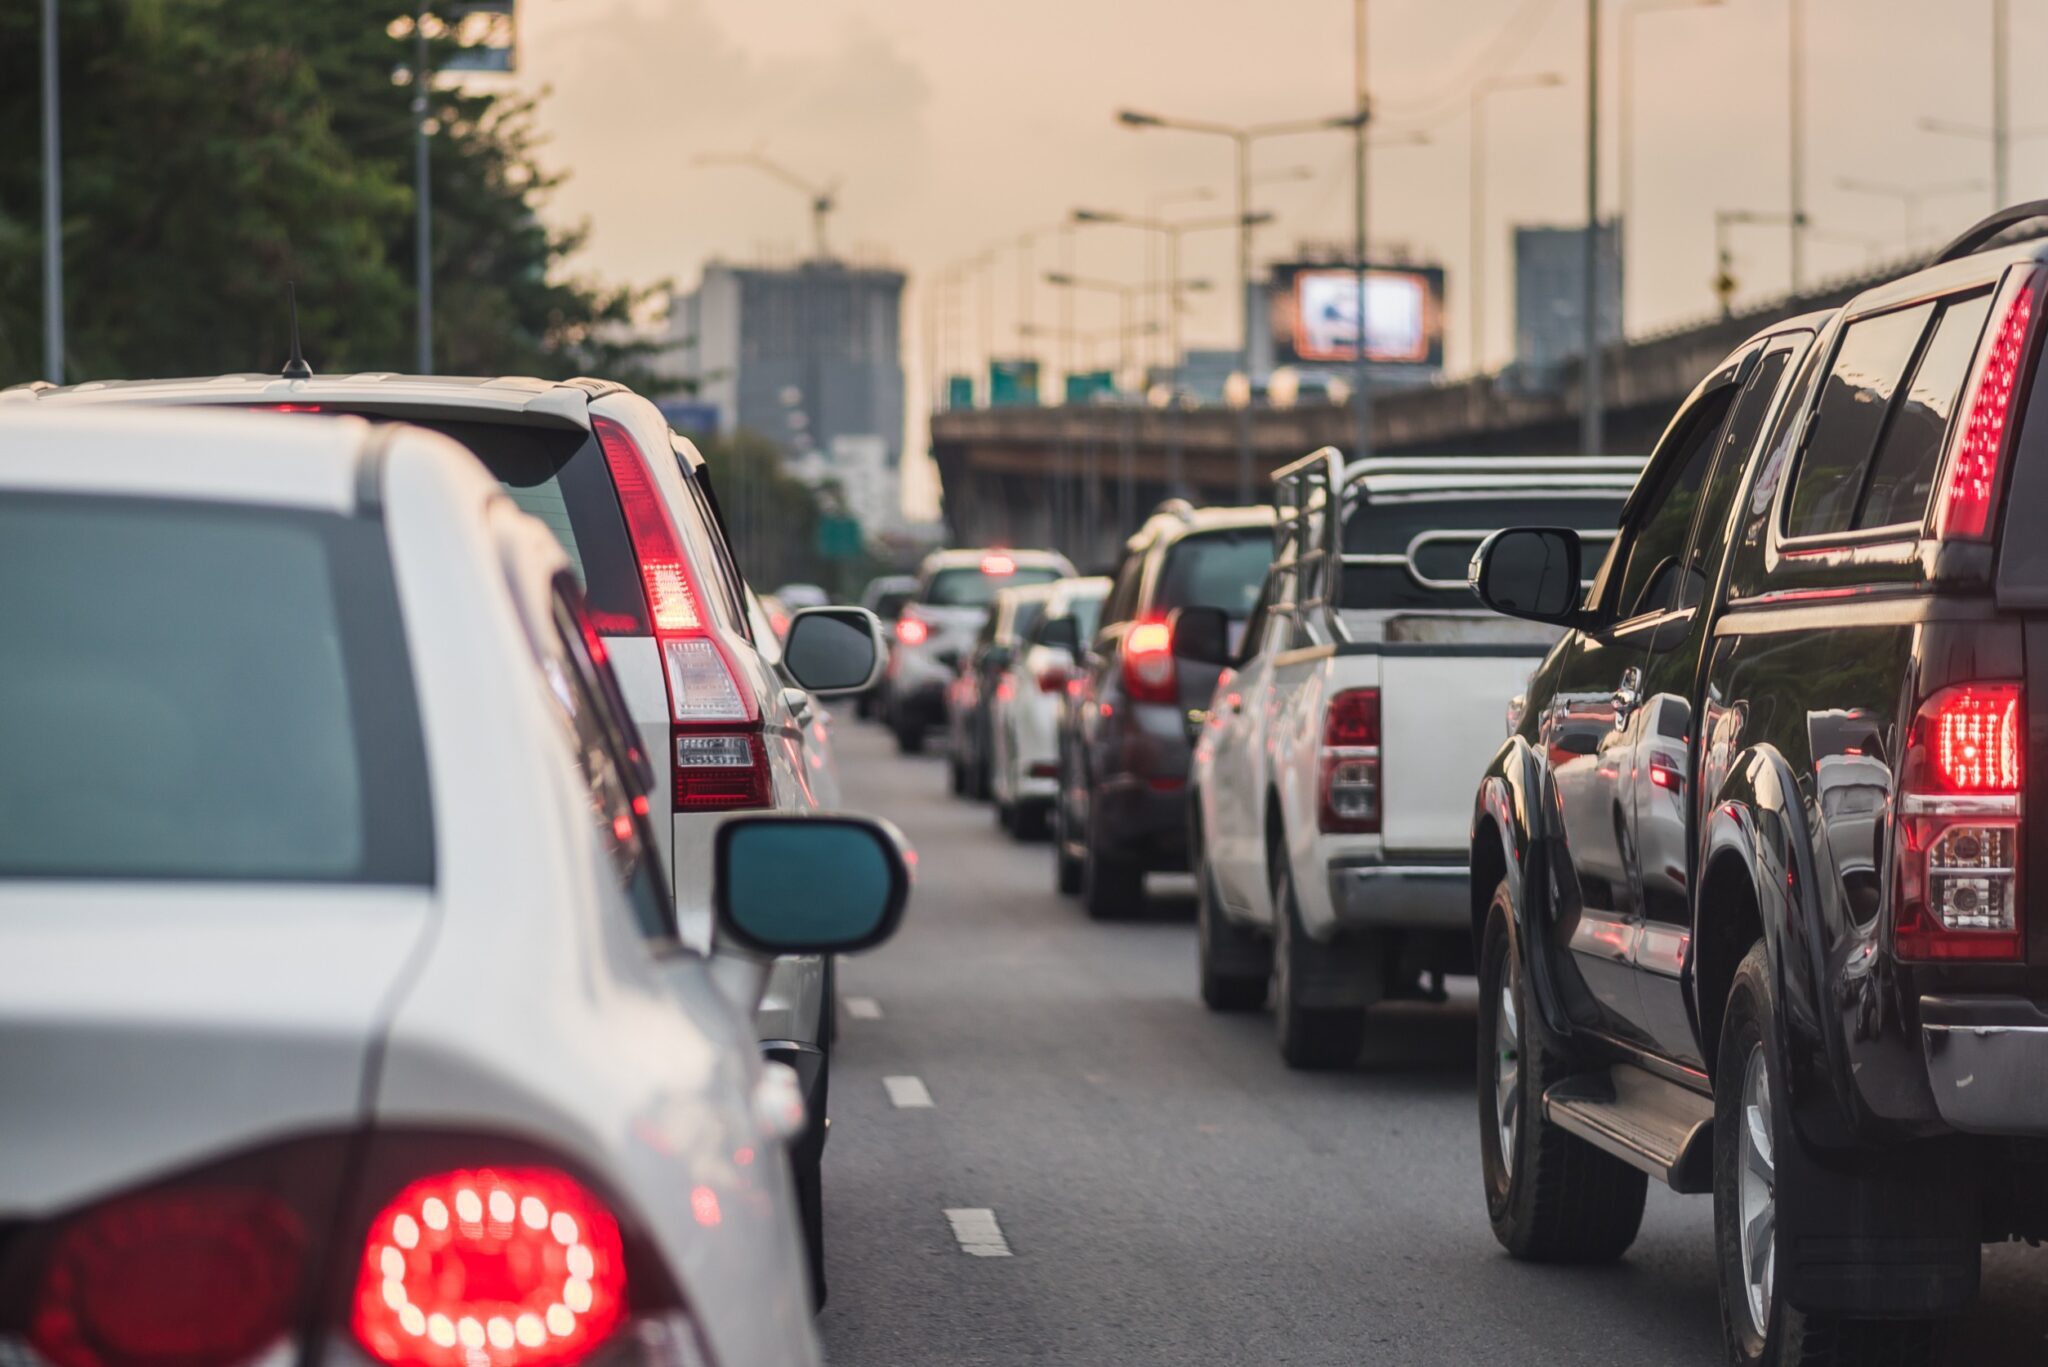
(1165, 1189)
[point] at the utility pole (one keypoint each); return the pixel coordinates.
(1796, 50)
(53, 215)
(423, 204)
(2001, 104)
(1591, 422)
(1361, 388)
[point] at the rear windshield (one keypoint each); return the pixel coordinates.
(1024, 617)
(204, 691)
(889, 606)
(1392, 524)
(558, 474)
(1087, 615)
(1216, 570)
(968, 587)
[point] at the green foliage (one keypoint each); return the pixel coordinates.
(215, 149)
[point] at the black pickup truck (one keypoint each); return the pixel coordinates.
(1751, 883)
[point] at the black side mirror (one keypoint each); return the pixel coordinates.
(830, 651)
(1060, 632)
(1530, 572)
(1200, 635)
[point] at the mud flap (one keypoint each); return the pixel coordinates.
(1892, 1235)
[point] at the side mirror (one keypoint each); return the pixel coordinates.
(1530, 572)
(831, 651)
(1200, 635)
(809, 884)
(1060, 632)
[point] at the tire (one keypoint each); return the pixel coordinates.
(1067, 870)
(1313, 1039)
(1111, 886)
(1552, 1197)
(909, 736)
(1029, 821)
(1235, 963)
(1749, 1128)
(956, 776)
(1006, 818)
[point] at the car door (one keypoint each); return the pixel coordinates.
(1664, 738)
(1596, 715)
(1235, 844)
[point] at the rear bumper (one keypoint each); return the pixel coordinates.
(922, 705)
(1378, 892)
(1987, 1061)
(1138, 820)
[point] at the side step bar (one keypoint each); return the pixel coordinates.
(1642, 1119)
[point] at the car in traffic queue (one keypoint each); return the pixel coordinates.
(1128, 737)
(938, 626)
(344, 1011)
(984, 675)
(1826, 1008)
(1031, 695)
(884, 596)
(1330, 805)
(632, 504)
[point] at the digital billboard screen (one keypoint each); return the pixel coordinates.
(1315, 315)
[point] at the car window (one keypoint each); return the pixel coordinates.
(1867, 369)
(1087, 614)
(1902, 477)
(712, 527)
(597, 726)
(558, 474)
(1665, 517)
(1215, 569)
(889, 606)
(1023, 617)
(1389, 525)
(1122, 605)
(1738, 445)
(966, 586)
(203, 691)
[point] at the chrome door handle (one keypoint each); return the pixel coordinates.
(1626, 695)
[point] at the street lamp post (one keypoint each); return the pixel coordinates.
(1796, 99)
(1910, 197)
(1625, 172)
(53, 217)
(1724, 219)
(1242, 138)
(1476, 268)
(423, 206)
(1591, 417)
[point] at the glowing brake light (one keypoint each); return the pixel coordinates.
(1971, 488)
(513, 1267)
(1959, 845)
(911, 631)
(1148, 662)
(728, 769)
(998, 566)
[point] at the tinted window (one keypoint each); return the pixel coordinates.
(558, 474)
(1902, 476)
(1867, 369)
(1650, 579)
(1216, 570)
(1025, 616)
(968, 587)
(1087, 615)
(1738, 444)
(1123, 596)
(1390, 524)
(199, 691)
(889, 606)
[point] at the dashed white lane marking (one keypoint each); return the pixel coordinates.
(979, 1234)
(864, 1008)
(907, 1093)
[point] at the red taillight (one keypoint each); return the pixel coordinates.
(1959, 845)
(1148, 662)
(1666, 775)
(1054, 679)
(189, 1277)
(911, 631)
(1350, 763)
(512, 1267)
(1972, 484)
(705, 689)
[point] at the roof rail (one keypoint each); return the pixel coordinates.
(1977, 238)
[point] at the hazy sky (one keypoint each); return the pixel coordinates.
(953, 124)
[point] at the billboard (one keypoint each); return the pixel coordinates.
(1315, 315)
(1012, 383)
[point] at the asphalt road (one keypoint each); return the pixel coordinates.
(1167, 1191)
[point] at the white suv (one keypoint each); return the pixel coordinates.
(631, 505)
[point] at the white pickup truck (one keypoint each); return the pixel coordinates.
(1334, 771)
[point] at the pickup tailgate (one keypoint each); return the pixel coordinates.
(1445, 683)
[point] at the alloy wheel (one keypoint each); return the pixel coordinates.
(1507, 1070)
(1757, 1192)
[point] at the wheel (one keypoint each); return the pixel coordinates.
(982, 785)
(864, 707)
(956, 775)
(1311, 1037)
(1006, 817)
(1028, 820)
(1067, 869)
(1235, 963)
(1111, 885)
(1551, 1196)
(1750, 1128)
(909, 736)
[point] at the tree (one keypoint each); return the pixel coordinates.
(215, 149)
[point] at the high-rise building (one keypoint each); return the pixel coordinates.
(1550, 293)
(810, 356)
